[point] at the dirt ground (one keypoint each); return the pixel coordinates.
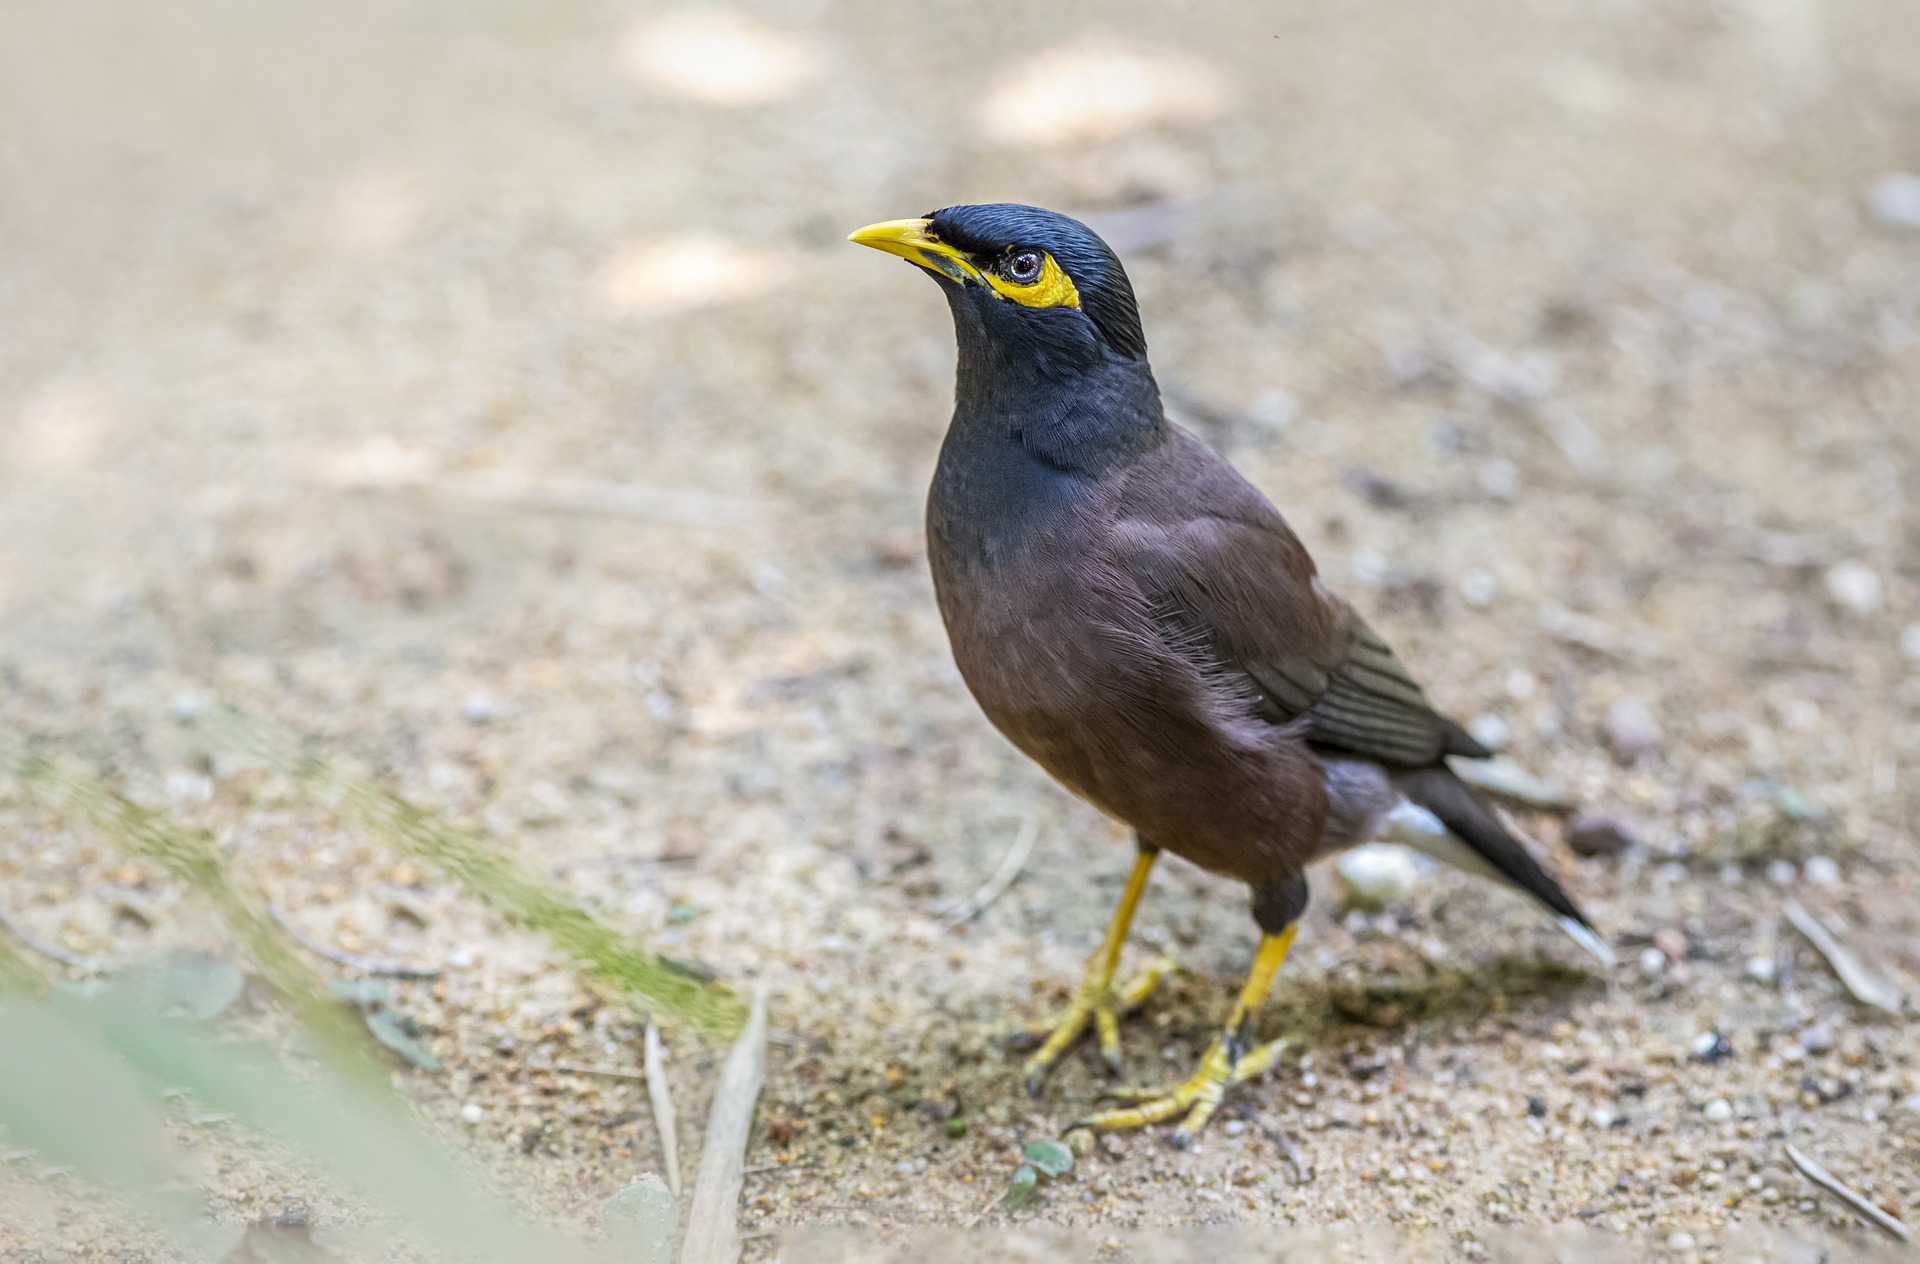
(455, 384)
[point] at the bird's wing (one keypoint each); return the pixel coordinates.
(1234, 590)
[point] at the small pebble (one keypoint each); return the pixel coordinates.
(471, 1112)
(1631, 730)
(1604, 1115)
(1599, 836)
(1855, 588)
(1375, 875)
(1081, 1141)
(1782, 873)
(1490, 731)
(1719, 1110)
(1681, 1241)
(1234, 1127)
(1817, 1038)
(1710, 1046)
(1910, 641)
(187, 706)
(1275, 408)
(1653, 962)
(1894, 199)
(1479, 588)
(480, 707)
(1822, 871)
(1671, 942)
(1499, 478)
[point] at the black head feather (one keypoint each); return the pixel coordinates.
(991, 230)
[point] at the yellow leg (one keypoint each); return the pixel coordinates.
(1098, 1000)
(1227, 1061)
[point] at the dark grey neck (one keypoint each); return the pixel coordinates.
(1039, 423)
(1053, 390)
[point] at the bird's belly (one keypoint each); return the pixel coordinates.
(1135, 730)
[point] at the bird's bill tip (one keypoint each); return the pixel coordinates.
(891, 234)
(913, 240)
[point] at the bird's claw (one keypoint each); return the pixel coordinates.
(1199, 1095)
(1102, 1004)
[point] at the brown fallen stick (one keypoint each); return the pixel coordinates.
(665, 1121)
(1855, 1202)
(351, 960)
(1003, 875)
(1854, 976)
(65, 958)
(713, 1220)
(584, 1068)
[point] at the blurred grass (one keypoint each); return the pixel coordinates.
(17, 975)
(81, 1067)
(644, 978)
(80, 1076)
(190, 856)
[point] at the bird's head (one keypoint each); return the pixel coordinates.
(1034, 280)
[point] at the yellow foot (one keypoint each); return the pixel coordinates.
(1199, 1095)
(1102, 1003)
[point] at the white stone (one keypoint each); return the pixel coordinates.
(1822, 871)
(1275, 408)
(1719, 1110)
(471, 1112)
(1910, 641)
(1895, 199)
(1478, 588)
(1490, 731)
(1854, 587)
(1375, 875)
(1499, 478)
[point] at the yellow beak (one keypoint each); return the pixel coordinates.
(913, 241)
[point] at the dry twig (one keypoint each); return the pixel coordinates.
(582, 1068)
(48, 950)
(665, 1121)
(1855, 977)
(1855, 1201)
(713, 1220)
(1003, 875)
(616, 959)
(351, 960)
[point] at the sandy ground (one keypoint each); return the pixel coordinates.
(453, 384)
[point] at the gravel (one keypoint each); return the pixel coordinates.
(1612, 252)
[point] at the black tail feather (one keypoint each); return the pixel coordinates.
(1467, 815)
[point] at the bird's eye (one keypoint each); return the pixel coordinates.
(1024, 267)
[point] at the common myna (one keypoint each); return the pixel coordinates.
(1137, 618)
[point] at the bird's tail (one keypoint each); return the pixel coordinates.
(1493, 849)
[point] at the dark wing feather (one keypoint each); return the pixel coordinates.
(1232, 588)
(1239, 596)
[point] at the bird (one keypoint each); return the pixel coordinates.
(1137, 618)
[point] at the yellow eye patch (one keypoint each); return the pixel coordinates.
(1052, 288)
